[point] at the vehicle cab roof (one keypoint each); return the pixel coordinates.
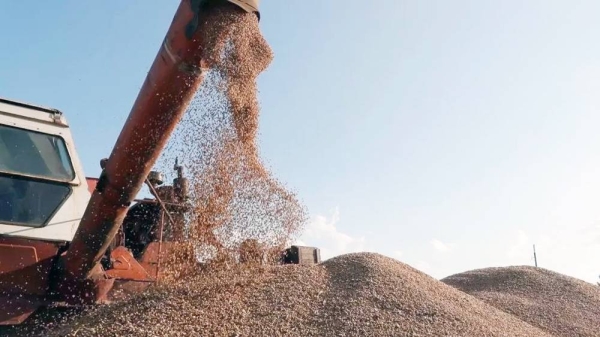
(31, 111)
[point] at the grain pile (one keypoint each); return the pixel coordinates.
(373, 295)
(352, 295)
(243, 301)
(562, 305)
(234, 197)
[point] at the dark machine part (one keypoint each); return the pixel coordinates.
(180, 184)
(144, 219)
(141, 227)
(155, 178)
(301, 255)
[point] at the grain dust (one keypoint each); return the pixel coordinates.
(234, 196)
(239, 205)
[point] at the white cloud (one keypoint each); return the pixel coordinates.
(323, 232)
(398, 254)
(441, 246)
(423, 266)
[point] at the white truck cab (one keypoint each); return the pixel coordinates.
(43, 190)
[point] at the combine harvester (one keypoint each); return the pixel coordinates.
(67, 239)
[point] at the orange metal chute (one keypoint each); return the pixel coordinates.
(36, 272)
(168, 89)
(125, 267)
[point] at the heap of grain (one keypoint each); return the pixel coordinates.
(352, 295)
(234, 197)
(562, 305)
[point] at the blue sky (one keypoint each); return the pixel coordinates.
(450, 135)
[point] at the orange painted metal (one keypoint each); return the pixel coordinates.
(155, 249)
(125, 267)
(91, 182)
(168, 89)
(93, 290)
(151, 258)
(26, 265)
(16, 257)
(25, 276)
(150, 255)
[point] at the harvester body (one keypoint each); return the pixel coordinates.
(43, 194)
(63, 242)
(65, 238)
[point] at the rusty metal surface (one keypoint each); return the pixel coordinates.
(155, 253)
(15, 309)
(25, 268)
(125, 267)
(26, 265)
(168, 89)
(16, 257)
(151, 254)
(92, 290)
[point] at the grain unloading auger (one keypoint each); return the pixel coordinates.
(58, 243)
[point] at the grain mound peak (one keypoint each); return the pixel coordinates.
(373, 295)
(559, 304)
(352, 295)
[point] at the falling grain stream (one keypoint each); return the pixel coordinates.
(236, 198)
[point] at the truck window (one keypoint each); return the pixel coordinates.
(28, 202)
(29, 153)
